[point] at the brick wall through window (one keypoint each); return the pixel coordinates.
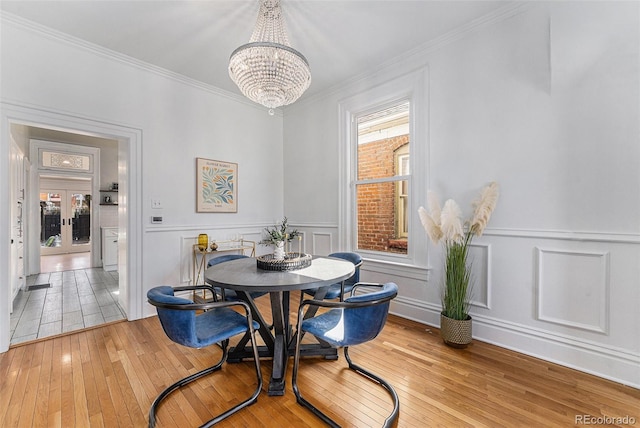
(376, 202)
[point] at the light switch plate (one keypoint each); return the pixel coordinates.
(156, 203)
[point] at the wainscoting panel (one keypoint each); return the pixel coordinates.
(480, 259)
(573, 289)
(567, 297)
(322, 243)
(186, 257)
(188, 241)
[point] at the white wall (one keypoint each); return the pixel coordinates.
(178, 120)
(543, 100)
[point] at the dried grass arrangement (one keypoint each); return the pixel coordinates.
(445, 224)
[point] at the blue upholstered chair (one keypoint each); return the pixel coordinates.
(335, 290)
(215, 325)
(225, 293)
(358, 319)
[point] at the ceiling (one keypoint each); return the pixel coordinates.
(340, 39)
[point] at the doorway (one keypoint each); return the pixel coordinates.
(65, 221)
(69, 291)
(20, 120)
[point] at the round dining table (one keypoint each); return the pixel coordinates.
(245, 277)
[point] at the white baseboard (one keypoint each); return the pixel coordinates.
(618, 365)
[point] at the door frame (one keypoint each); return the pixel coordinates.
(35, 146)
(129, 215)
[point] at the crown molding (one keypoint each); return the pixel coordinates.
(60, 37)
(416, 56)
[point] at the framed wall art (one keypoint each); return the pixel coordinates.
(216, 186)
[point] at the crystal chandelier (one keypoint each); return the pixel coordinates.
(267, 69)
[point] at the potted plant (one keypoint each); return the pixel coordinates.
(445, 225)
(278, 236)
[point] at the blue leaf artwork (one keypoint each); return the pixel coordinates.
(216, 186)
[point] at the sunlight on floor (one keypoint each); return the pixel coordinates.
(62, 262)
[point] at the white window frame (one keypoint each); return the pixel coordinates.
(411, 87)
(400, 210)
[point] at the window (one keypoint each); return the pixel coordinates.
(382, 184)
(383, 169)
(55, 160)
(402, 192)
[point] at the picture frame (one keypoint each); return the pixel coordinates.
(216, 186)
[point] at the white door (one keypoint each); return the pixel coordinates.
(65, 221)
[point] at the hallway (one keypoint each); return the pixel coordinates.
(74, 299)
(62, 262)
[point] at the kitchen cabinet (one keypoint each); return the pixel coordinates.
(110, 248)
(18, 165)
(18, 280)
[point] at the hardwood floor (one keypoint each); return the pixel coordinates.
(108, 377)
(63, 262)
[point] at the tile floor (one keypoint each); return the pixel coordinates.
(77, 299)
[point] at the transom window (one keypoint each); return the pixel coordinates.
(66, 161)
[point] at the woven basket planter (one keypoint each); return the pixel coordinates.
(455, 333)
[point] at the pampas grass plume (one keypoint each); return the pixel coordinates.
(433, 203)
(484, 208)
(433, 230)
(451, 222)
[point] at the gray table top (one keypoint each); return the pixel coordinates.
(244, 275)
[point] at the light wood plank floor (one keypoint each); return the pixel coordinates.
(63, 262)
(108, 377)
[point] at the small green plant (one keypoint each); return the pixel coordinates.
(446, 225)
(279, 233)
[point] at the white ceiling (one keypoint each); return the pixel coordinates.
(340, 39)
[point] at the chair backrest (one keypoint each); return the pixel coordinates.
(225, 258)
(179, 325)
(354, 258)
(362, 324)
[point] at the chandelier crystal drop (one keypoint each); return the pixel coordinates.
(267, 69)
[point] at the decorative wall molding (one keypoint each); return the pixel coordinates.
(566, 235)
(186, 261)
(416, 310)
(481, 273)
(321, 240)
(319, 225)
(419, 52)
(187, 241)
(101, 51)
(586, 305)
(252, 228)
